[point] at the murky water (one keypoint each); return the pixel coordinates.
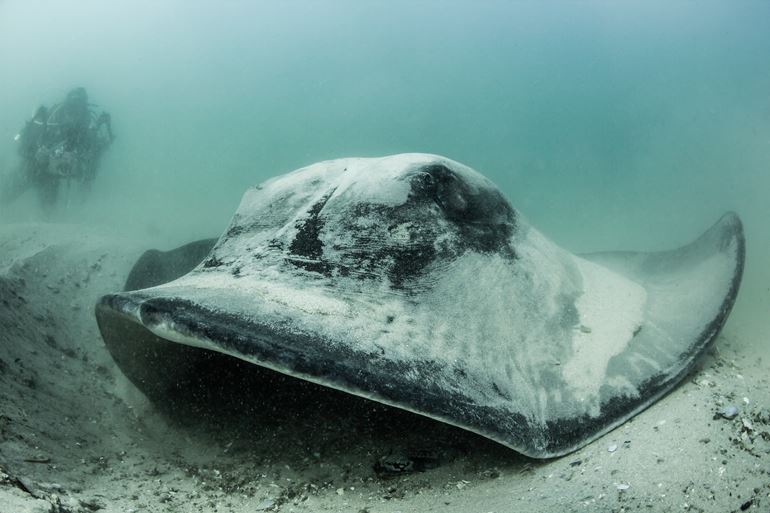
(609, 125)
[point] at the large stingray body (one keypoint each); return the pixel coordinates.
(410, 280)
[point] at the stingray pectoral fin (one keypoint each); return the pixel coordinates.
(160, 368)
(691, 289)
(155, 267)
(690, 292)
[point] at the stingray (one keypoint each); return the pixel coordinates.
(410, 280)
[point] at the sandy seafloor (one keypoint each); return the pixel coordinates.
(75, 436)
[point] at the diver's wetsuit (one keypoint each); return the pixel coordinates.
(65, 142)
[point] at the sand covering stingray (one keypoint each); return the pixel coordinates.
(410, 280)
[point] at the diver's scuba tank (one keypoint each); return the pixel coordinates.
(63, 163)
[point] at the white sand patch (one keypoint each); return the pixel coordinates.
(611, 309)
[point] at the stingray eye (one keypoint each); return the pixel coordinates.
(450, 195)
(445, 188)
(423, 185)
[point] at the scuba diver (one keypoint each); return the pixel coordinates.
(60, 144)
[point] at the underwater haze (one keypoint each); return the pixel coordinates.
(607, 124)
(610, 125)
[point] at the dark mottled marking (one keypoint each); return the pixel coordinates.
(439, 203)
(212, 261)
(307, 243)
(234, 231)
(442, 218)
(485, 218)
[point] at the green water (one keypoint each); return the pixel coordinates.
(608, 124)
